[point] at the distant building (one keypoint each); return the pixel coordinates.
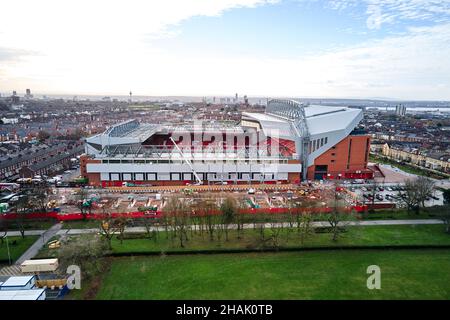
(400, 110)
(15, 99)
(417, 158)
(38, 160)
(10, 120)
(28, 94)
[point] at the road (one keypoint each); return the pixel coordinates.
(315, 224)
(34, 249)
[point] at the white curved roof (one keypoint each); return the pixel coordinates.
(320, 119)
(338, 120)
(332, 123)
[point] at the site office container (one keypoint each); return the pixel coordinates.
(41, 265)
(18, 283)
(32, 294)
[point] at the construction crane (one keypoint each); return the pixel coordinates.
(199, 181)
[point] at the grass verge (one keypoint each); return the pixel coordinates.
(412, 274)
(17, 246)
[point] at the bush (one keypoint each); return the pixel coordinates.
(328, 229)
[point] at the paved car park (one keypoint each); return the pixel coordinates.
(390, 193)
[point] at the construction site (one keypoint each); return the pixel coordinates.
(152, 201)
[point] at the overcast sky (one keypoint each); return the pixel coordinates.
(310, 48)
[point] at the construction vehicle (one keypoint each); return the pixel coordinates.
(52, 204)
(252, 204)
(4, 207)
(55, 244)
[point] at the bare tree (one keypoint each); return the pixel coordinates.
(39, 196)
(228, 209)
(22, 207)
(425, 187)
(445, 216)
(374, 187)
(305, 229)
(119, 224)
(275, 231)
(83, 203)
(416, 191)
(3, 229)
(181, 219)
(209, 216)
(409, 196)
(239, 218)
(107, 227)
(177, 215)
(338, 217)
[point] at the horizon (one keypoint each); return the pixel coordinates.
(40, 95)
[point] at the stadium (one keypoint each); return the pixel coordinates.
(289, 143)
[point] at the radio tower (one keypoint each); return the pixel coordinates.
(131, 93)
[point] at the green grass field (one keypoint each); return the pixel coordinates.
(35, 224)
(405, 274)
(355, 236)
(81, 224)
(16, 250)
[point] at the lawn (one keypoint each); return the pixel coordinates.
(17, 249)
(81, 224)
(32, 224)
(405, 274)
(402, 214)
(355, 236)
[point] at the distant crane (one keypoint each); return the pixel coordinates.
(199, 181)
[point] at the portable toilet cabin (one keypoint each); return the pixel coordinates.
(19, 283)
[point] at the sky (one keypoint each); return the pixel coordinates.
(385, 49)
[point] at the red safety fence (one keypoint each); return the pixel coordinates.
(158, 214)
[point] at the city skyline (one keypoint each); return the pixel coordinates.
(331, 49)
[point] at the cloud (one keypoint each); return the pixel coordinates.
(412, 66)
(83, 36)
(14, 55)
(381, 12)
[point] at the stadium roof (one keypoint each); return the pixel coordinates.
(320, 119)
